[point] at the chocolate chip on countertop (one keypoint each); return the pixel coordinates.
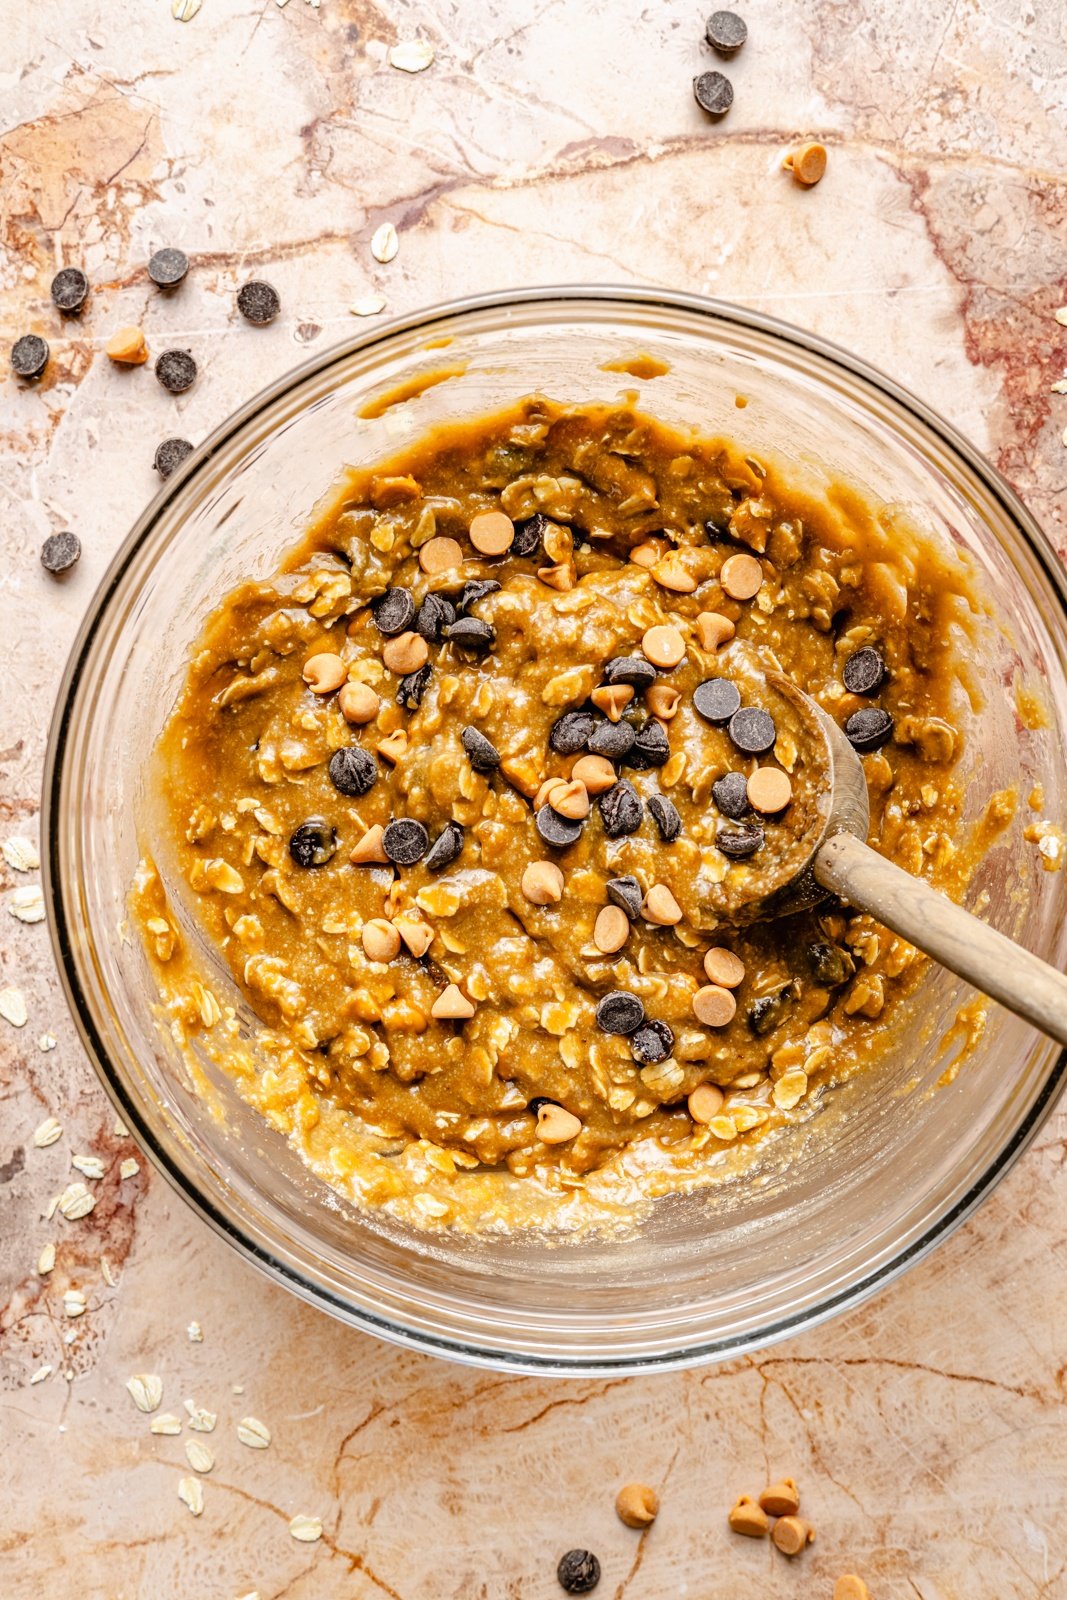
(726, 32)
(473, 590)
(555, 830)
(578, 1571)
(717, 699)
(730, 794)
(392, 611)
(313, 843)
(70, 290)
(353, 770)
(405, 841)
(483, 756)
(613, 740)
(412, 687)
(665, 816)
(470, 633)
(59, 552)
(170, 454)
(653, 1041)
(176, 371)
(435, 614)
(168, 267)
(634, 670)
(868, 729)
(864, 671)
(752, 730)
(445, 848)
(626, 894)
(740, 842)
(714, 93)
(29, 355)
(570, 732)
(529, 534)
(620, 809)
(258, 302)
(651, 747)
(619, 1012)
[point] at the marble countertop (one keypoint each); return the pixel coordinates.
(926, 1428)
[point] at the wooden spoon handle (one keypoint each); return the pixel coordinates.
(959, 941)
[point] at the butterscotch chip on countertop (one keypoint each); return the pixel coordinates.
(637, 1505)
(781, 1499)
(791, 1535)
(127, 347)
(849, 1587)
(749, 1518)
(807, 163)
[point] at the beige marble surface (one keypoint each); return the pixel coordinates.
(544, 144)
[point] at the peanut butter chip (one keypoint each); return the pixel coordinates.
(452, 1005)
(807, 163)
(612, 929)
(791, 1534)
(492, 532)
(849, 1587)
(741, 577)
(556, 1125)
(542, 883)
(416, 934)
(612, 699)
(747, 1517)
(670, 573)
(324, 673)
(781, 1499)
(637, 1505)
(648, 552)
(769, 790)
(723, 967)
(596, 772)
(661, 908)
(713, 629)
(380, 940)
(662, 701)
(714, 1007)
(358, 702)
(438, 554)
(406, 653)
(394, 746)
(547, 790)
(705, 1102)
(370, 848)
(663, 645)
(128, 347)
(571, 800)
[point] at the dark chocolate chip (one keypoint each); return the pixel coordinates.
(412, 687)
(470, 633)
(393, 611)
(529, 535)
(868, 729)
(626, 894)
(59, 552)
(176, 371)
(170, 454)
(717, 699)
(168, 267)
(70, 290)
(726, 32)
(665, 816)
(752, 730)
(258, 302)
(473, 590)
(740, 842)
(714, 93)
(313, 843)
(830, 964)
(767, 1012)
(620, 809)
(435, 614)
(405, 841)
(614, 740)
(653, 1041)
(634, 670)
(651, 747)
(570, 732)
(484, 757)
(578, 1571)
(864, 671)
(29, 355)
(619, 1012)
(353, 770)
(555, 830)
(730, 794)
(445, 848)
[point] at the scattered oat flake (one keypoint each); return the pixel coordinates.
(47, 1042)
(306, 1529)
(42, 1373)
(108, 1275)
(253, 1433)
(385, 243)
(369, 306)
(47, 1132)
(13, 1007)
(191, 1494)
(413, 55)
(129, 1168)
(199, 1420)
(1060, 386)
(75, 1202)
(74, 1303)
(199, 1457)
(27, 903)
(21, 853)
(1061, 316)
(88, 1166)
(184, 10)
(237, 1388)
(166, 1422)
(46, 1260)
(146, 1389)
(253, 1594)
(50, 1210)
(195, 1332)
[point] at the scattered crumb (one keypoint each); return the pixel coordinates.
(47, 1042)
(369, 306)
(412, 55)
(129, 1168)
(199, 1420)
(42, 1373)
(1061, 316)
(120, 1129)
(195, 1333)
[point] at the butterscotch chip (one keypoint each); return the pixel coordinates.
(406, 653)
(492, 532)
(128, 347)
(662, 701)
(714, 1007)
(358, 702)
(547, 789)
(571, 800)
(713, 629)
(555, 1125)
(560, 576)
(440, 553)
(769, 790)
(612, 699)
(542, 883)
(671, 573)
(611, 930)
(741, 577)
(660, 907)
(705, 1102)
(849, 1587)
(596, 772)
(636, 1504)
(416, 934)
(663, 645)
(648, 552)
(807, 163)
(380, 940)
(394, 745)
(323, 673)
(723, 967)
(370, 850)
(452, 1005)
(781, 1499)
(746, 1517)
(792, 1534)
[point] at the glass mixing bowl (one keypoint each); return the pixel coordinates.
(891, 1162)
